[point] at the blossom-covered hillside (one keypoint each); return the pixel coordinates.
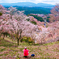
(14, 23)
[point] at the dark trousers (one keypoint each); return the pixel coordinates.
(25, 56)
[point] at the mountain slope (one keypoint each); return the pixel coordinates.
(34, 10)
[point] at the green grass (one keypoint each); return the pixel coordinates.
(1, 54)
(6, 43)
(46, 58)
(56, 50)
(5, 54)
(40, 51)
(21, 49)
(2, 49)
(52, 43)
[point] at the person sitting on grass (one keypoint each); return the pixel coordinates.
(26, 52)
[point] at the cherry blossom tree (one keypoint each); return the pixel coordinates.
(12, 11)
(19, 27)
(19, 15)
(2, 9)
(52, 18)
(55, 10)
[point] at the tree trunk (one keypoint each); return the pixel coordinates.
(11, 16)
(41, 42)
(3, 36)
(18, 42)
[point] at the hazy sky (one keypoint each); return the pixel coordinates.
(34, 1)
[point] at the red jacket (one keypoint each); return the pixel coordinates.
(26, 52)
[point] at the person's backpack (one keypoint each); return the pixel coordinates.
(32, 55)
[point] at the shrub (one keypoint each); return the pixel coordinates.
(47, 19)
(0, 14)
(33, 22)
(27, 39)
(28, 19)
(5, 33)
(38, 18)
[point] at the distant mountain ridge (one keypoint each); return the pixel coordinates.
(32, 10)
(28, 4)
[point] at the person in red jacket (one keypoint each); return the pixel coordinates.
(26, 52)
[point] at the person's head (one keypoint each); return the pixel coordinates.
(25, 47)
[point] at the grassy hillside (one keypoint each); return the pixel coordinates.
(8, 49)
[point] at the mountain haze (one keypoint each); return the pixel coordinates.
(28, 4)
